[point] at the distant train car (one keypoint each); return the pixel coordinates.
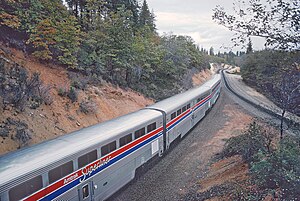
(94, 162)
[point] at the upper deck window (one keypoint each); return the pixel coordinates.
(60, 171)
(178, 112)
(151, 127)
(125, 140)
(87, 158)
(139, 133)
(26, 188)
(106, 149)
(173, 115)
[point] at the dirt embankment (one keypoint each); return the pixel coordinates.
(62, 116)
(201, 77)
(220, 173)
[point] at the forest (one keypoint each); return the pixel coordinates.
(111, 40)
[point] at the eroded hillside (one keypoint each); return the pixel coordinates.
(33, 121)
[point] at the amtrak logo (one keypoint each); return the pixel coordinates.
(90, 169)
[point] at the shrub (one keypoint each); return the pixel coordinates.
(248, 144)
(44, 93)
(72, 94)
(88, 107)
(23, 136)
(280, 171)
(62, 92)
(78, 81)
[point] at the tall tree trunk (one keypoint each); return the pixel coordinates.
(281, 123)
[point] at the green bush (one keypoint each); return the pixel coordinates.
(72, 94)
(62, 92)
(88, 107)
(248, 144)
(280, 171)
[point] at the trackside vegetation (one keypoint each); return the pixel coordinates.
(274, 164)
(112, 40)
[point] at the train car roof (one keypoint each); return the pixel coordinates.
(210, 83)
(26, 160)
(170, 104)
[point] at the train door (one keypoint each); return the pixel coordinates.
(86, 191)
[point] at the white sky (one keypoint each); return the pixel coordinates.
(194, 18)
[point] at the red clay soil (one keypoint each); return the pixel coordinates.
(201, 77)
(63, 116)
(232, 169)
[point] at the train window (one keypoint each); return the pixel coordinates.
(173, 115)
(139, 133)
(60, 171)
(87, 158)
(178, 112)
(85, 191)
(106, 149)
(188, 106)
(24, 189)
(184, 109)
(151, 127)
(125, 140)
(199, 99)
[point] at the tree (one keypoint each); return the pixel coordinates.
(278, 22)
(146, 17)
(286, 92)
(211, 51)
(42, 38)
(275, 20)
(249, 47)
(276, 74)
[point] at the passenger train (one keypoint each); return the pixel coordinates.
(94, 162)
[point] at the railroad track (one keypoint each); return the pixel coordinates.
(286, 120)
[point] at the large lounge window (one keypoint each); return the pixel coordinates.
(87, 158)
(60, 171)
(26, 188)
(106, 149)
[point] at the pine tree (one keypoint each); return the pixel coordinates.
(211, 51)
(146, 18)
(249, 47)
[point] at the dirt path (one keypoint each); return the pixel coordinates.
(172, 177)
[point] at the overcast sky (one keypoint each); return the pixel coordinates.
(194, 18)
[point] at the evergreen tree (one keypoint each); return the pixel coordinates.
(249, 47)
(146, 18)
(211, 51)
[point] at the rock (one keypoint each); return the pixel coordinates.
(23, 136)
(71, 118)
(43, 116)
(77, 123)
(4, 132)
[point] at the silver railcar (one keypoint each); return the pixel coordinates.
(94, 162)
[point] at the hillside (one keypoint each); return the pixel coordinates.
(61, 116)
(57, 115)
